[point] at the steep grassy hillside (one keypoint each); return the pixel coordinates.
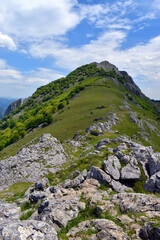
(73, 103)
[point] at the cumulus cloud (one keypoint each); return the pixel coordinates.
(6, 41)
(30, 20)
(39, 29)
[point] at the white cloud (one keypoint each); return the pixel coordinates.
(6, 41)
(34, 20)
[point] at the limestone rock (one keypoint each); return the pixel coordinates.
(119, 187)
(13, 106)
(130, 172)
(112, 166)
(58, 211)
(149, 232)
(136, 202)
(103, 127)
(9, 211)
(106, 229)
(37, 196)
(19, 230)
(73, 183)
(32, 161)
(153, 183)
(98, 174)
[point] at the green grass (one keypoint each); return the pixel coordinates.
(26, 215)
(15, 191)
(83, 109)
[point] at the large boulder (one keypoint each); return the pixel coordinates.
(98, 174)
(153, 183)
(130, 172)
(112, 166)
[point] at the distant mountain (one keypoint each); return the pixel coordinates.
(4, 103)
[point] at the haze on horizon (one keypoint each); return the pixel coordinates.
(43, 40)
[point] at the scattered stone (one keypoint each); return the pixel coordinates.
(106, 229)
(125, 219)
(99, 128)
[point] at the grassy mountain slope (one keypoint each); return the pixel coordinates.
(73, 103)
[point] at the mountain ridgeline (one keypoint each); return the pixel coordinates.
(80, 159)
(48, 102)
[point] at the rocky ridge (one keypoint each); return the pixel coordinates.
(43, 154)
(96, 203)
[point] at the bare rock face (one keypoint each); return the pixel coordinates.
(19, 230)
(33, 161)
(13, 106)
(106, 229)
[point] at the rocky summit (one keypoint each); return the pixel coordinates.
(80, 160)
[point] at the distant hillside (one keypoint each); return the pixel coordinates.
(4, 103)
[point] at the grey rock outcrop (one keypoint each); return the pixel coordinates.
(112, 167)
(119, 187)
(98, 174)
(99, 128)
(130, 172)
(21, 230)
(153, 183)
(9, 211)
(106, 229)
(136, 202)
(57, 211)
(13, 106)
(33, 161)
(149, 231)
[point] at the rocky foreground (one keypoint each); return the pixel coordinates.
(95, 203)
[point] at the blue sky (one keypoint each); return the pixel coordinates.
(42, 40)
